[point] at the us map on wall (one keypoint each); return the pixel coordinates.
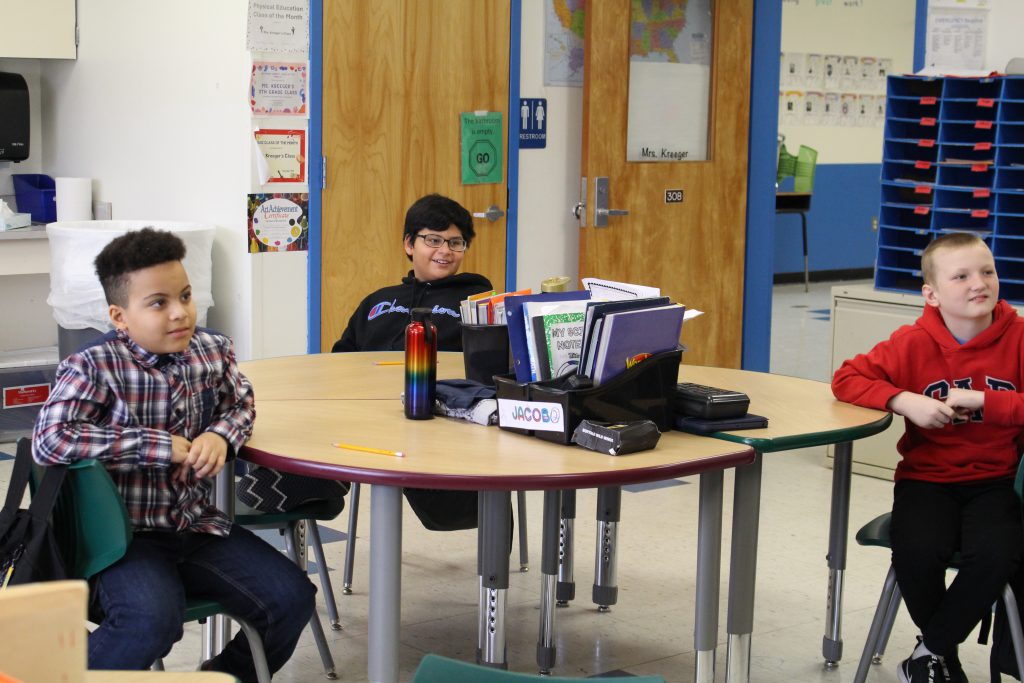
(563, 42)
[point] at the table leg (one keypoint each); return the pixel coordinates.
(494, 528)
(548, 578)
(609, 511)
(709, 568)
(839, 527)
(385, 582)
(217, 632)
(743, 569)
(566, 587)
(524, 546)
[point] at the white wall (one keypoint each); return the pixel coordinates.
(549, 178)
(1005, 19)
(155, 110)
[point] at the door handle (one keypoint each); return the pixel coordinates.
(492, 213)
(601, 210)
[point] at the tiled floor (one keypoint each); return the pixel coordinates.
(650, 630)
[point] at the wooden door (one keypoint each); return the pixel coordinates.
(397, 75)
(694, 250)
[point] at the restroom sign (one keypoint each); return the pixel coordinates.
(533, 123)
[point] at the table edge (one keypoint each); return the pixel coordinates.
(484, 482)
(786, 443)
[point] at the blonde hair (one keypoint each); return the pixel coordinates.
(952, 240)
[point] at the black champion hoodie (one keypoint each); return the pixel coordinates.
(380, 320)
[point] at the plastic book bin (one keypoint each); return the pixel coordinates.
(35, 193)
(485, 352)
(642, 392)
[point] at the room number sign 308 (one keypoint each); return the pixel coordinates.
(673, 196)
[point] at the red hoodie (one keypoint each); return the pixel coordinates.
(925, 358)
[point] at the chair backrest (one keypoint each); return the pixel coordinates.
(803, 172)
(90, 520)
(437, 669)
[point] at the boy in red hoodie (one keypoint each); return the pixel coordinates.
(955, 376)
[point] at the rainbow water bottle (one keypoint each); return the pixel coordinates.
(420, 365)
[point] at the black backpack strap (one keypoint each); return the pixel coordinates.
(45, 497)
(18, 483)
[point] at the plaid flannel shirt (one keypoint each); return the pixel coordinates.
(118, 403)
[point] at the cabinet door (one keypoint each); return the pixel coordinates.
(39, 29)
(858, 325)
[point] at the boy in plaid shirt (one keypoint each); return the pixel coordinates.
(162, 404)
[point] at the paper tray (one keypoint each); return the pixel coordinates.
(641, 393)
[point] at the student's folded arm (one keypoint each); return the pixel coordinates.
(865, 381)
(76, 424)
(1004, 408)
(236, 408)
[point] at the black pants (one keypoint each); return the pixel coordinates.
(931, 522)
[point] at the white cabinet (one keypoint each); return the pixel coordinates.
(38, 29)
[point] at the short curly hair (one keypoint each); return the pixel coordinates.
(131, 252)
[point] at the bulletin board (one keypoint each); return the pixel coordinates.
(857, 41)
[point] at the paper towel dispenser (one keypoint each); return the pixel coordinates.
(14, 117)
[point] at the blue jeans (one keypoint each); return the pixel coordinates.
(142, 597)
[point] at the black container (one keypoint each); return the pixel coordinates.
(644, 392)
(485, 352)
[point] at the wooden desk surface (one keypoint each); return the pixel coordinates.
(800, 412)
(297, 436)
(339, 375)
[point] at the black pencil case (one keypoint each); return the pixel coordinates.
(697, 425)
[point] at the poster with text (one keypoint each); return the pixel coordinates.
(278, 222)
(282, 157)
(278, 89)
(278, 26)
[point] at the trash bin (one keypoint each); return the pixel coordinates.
(76, 296)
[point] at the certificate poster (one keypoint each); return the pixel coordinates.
(278, 89)
(278, 26)
(282, 156)
(278, 222)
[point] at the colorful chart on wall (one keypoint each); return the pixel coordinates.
(278, 89)
(278, 222)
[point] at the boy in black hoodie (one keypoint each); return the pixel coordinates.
(438, 230)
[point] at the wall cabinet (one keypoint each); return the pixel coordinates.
(38, 29)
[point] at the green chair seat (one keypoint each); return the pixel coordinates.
(437, 669)
(876, 532)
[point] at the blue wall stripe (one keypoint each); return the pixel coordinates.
(316, 181)
(920, 33)
(512, 212)
(839, 234)
(764, 126)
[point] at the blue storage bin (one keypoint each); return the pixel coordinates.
(897, 280)
(972, 88)
(969, 110)
(35, 194)
(966, 175)
(1010, 133)
(1013, 88)
(1010, 178)
(903, 238)
(914, 86)
(974, 132)
(1010, 155)
(909, 171)
(967, 152)
(899, 150)
(913, 107)
(980, 221)
(916, 218)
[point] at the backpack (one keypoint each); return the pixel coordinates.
(28, 548)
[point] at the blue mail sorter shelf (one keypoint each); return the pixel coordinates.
(952, 161)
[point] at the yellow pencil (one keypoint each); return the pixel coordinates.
(389, 362)
(367, 449)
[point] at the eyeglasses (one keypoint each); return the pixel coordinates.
(435, 241)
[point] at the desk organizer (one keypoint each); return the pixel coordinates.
(641, 393)
(952, 161)
(485, 352)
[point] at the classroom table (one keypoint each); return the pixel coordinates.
(158, 677)
(306, 403)
(801, 413)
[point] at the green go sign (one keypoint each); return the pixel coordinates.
(481, 147)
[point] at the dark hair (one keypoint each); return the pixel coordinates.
(951, 240)
(131, 252)
(437, 212)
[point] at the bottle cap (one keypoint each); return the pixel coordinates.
(420, 315)
(559, 283)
